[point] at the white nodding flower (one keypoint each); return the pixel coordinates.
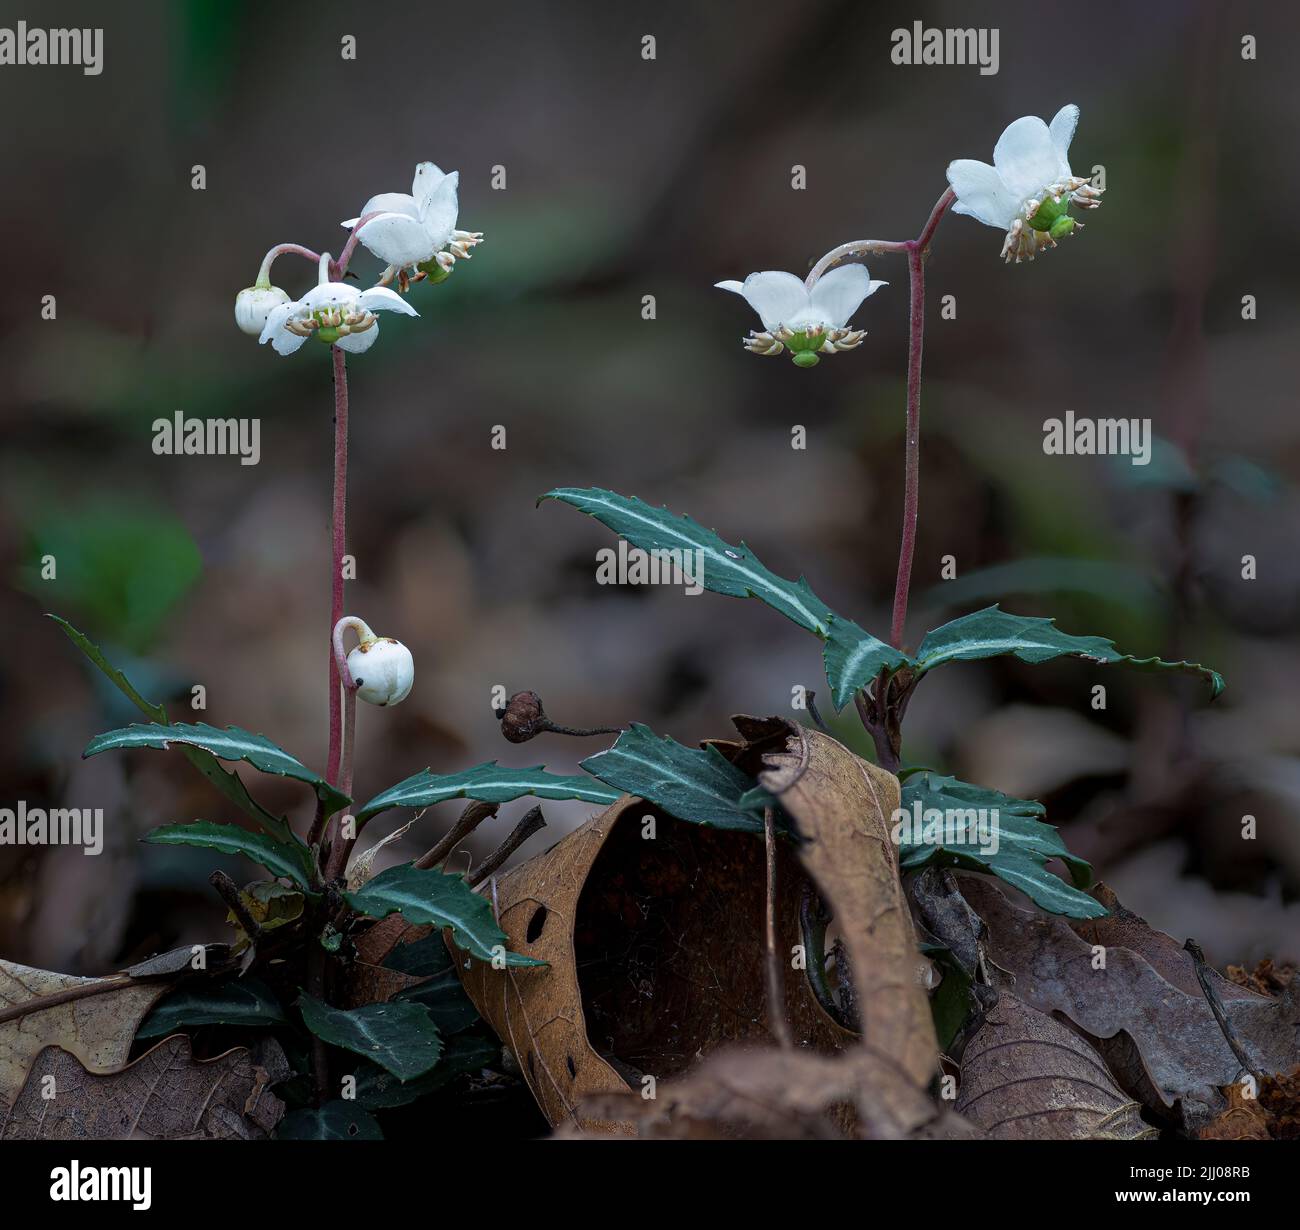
(382, 669)
(416, 231)
(809, 322)
(336, 313)
(254, 304)
(1029, 188)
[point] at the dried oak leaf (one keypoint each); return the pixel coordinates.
(163, 1095)
(842, 806)
(1244, 1118)
(769, 1094)
(1145, 1009)
(97, 1028)
(654, 952)
(1025, 1076)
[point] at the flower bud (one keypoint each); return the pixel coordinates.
(254, 304)
(383, 670)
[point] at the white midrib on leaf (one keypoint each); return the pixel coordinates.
(727, 562)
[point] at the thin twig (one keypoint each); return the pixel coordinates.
(228, 890)
(812, 711)
(776, 1019)
(41, 1002)
(1216, 1006)
(532, 821)
(470, 819)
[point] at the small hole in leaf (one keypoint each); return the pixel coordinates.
(568, 1062)
(535, 924)
(353, 1129)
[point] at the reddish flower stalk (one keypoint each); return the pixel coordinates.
(338, 539)
(916, 250)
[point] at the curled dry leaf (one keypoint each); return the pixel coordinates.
(97, 1026)
(163, 1095)
(668, 937)
(1145, 1007)
(842, 807)
(770, 1094)
(363, 865)
(1025, 1076)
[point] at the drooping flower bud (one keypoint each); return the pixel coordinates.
(382, 670)
(254, 304)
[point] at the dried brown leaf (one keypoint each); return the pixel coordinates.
(98, 1028)
(842, 806)
(163, 1095)
(655, 952)
(1025, 1076)
(770, 1094)
(1146, 1007)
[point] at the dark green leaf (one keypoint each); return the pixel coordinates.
(693, 784)
(489, 783)
(853, 658)
(443, 900)
(228, 783)
(380, 1090)
(280, 858)
(232, 743)
(238, 1001)
(1024, 842)
(334, 1121)
(727, 569)
(155, 713)
(441, 992)
(993, 632)
(400, 1038)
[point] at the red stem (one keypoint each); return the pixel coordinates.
(339, 535)
(916, 251)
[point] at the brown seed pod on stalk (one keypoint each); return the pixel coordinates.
(655, 947)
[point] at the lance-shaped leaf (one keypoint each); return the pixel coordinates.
(232, 743)
(228, 783)
(992, 633)
(994, 833)
(281, 858)
(722, 568)
(854, 657)
(693, 784)
(379, 1090)
(443, 900)
(489, 783)
(237, 1001)
(400, 1038)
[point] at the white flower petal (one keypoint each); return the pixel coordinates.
(284, 342)
(359, 343)
(1062, 127)
(440, 210)
(342, 295)
(275, 320)
(838, 294)
(776, 297)
(981, 193)
(1025, 157)
(385, 203)
(397, 239)
(733, 285)
(381, 299)
(428, 175)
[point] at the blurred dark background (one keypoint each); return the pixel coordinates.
(628, 178)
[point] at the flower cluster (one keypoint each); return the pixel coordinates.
(415, 235)
(1027, 193)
